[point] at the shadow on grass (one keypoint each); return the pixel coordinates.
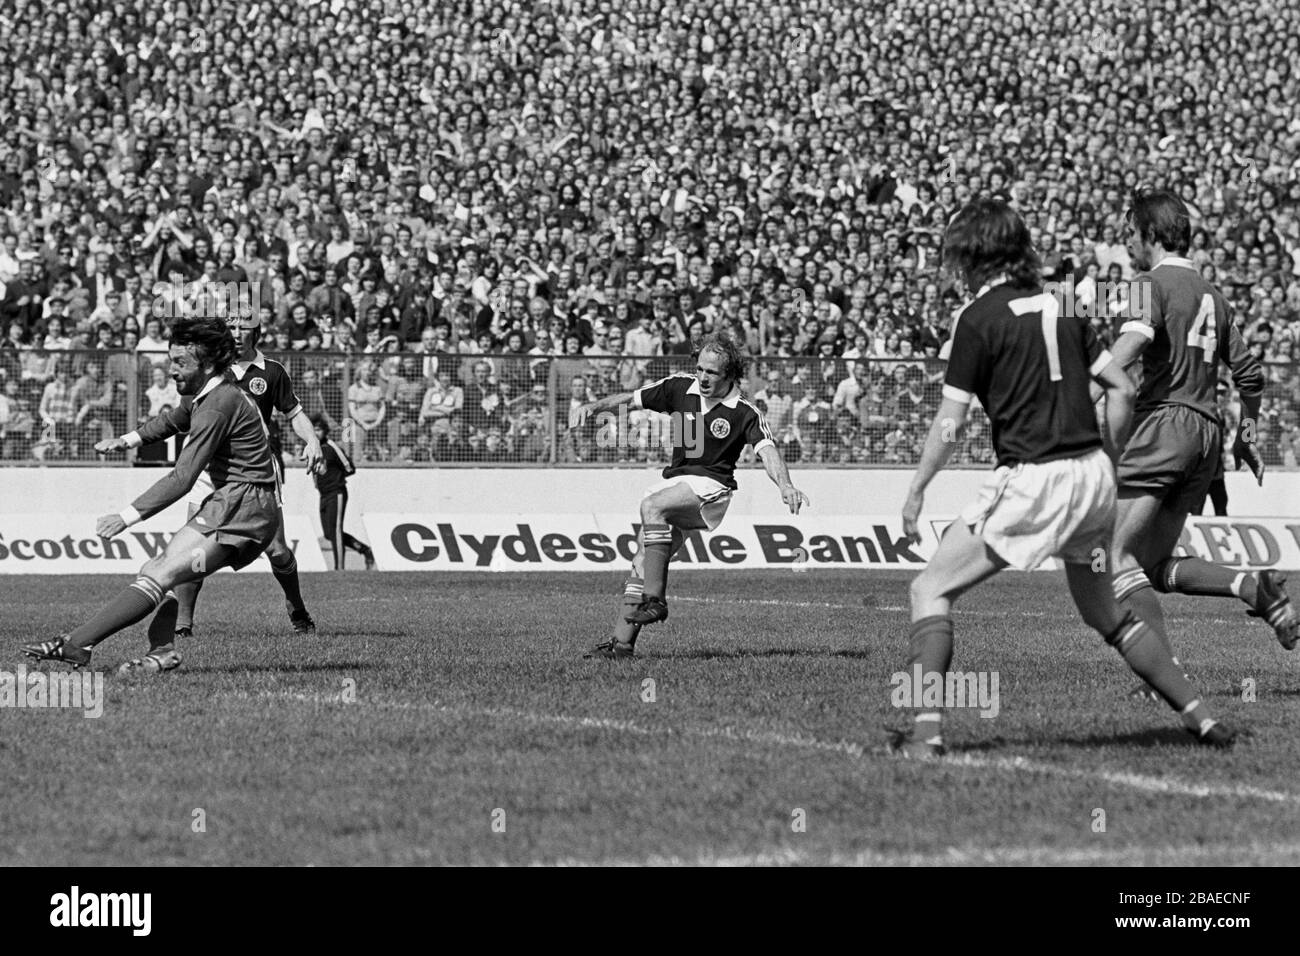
(709, 654)
(272, 667)
(1152, 737)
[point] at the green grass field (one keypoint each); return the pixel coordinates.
(771, 691)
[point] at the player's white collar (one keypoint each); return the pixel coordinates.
(240, 369)
(1177, 261)
(212, 383)
(732, 400)
(992, 283)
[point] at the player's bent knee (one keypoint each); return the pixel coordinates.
(1128, 582)
(926, 588)
(1163, 575)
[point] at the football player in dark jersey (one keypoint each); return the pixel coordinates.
(712, 425)
(267, 383)
(228, 439)
(1053, 492)
(1176, 448)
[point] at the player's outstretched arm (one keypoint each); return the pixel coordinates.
(303, 428)
(945, 432)
(207, 430)
(159, 428)
(776, 469)
(1120, 395)
(578, 417)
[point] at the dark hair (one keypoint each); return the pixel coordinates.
(987, 238)
(319, 421)
(1162, 219)
(734, 361)
(211, 340)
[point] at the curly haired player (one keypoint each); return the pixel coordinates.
(228, 438)
(267, 384)
(715, 425)
(1053, 493)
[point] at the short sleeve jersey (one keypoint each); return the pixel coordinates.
(268, 383)
(1189, 325)
(1030, 367)
(707, 438)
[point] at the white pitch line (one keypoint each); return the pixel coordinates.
(977, 856)
(775, 603)
(1133, 781)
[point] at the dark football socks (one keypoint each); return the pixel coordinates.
(162, 629)
(1134, 593)
(931, 641)
(1198, 576)
(132, 604)
(1137, 644)
(187, 596)
(633, 592)
(287, 576)
(657, 541)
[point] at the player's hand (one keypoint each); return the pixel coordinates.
(578, 416)
(315, 460)
(1247, 451)
(912, 517)
(109, 526)
(794, 498)
(109, 444)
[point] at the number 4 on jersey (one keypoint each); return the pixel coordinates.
(1204, 333)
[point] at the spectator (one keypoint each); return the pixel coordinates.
(57, 414)
(161, 391)
(366, 410)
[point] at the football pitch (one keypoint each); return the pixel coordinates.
(450, 719)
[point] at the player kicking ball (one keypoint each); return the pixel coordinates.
(1176, 448)
(714, 425)
(1053, 492)
(267, 384)
(237, 521)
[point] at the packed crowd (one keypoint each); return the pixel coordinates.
(432, 193)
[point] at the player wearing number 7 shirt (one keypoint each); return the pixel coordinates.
(1184, 330)
(1053, 493)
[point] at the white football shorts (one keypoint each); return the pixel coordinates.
(714, 496)
(1063, 509)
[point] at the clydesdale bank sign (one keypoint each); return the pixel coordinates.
(476, 542)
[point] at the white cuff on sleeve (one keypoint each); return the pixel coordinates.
(955, 394)
(129, 515)
(132, 440)
(1141, 328)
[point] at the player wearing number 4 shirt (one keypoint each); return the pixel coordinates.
(713, 424)
(1053, 492)
(1177, 442)
(267, 383)
(235, 524)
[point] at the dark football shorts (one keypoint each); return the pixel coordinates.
(1174, 452)
(241, 515)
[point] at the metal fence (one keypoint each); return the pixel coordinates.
(406, 409)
